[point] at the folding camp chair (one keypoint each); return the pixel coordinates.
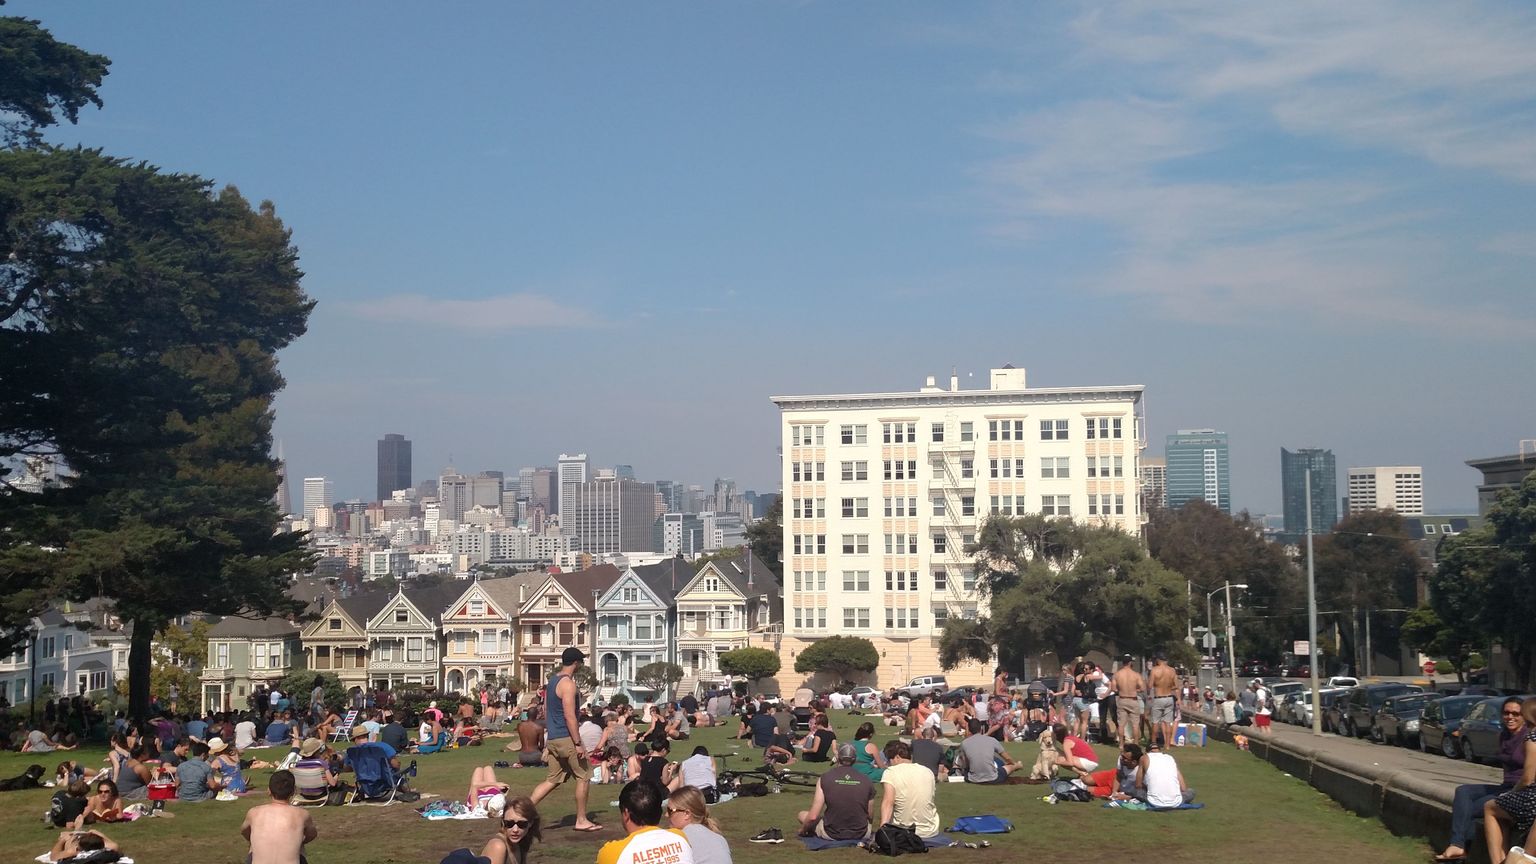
(377, 781)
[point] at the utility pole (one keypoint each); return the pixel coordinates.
(1231, 639)
(1317, 708)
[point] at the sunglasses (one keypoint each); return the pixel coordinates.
(521, 824)
(1511, 713)
(671, 810)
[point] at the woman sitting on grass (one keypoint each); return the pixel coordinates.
(686, 812)
(519, 828)
(225, 761)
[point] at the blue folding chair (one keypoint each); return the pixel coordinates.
(377, 781)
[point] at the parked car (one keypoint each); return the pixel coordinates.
(1366, 700)
(1326, 700)
(1397, 720)
(1336, 709)
(1440, 727)
(963, 692)
(1343, 681)
(862, 693)
(1253, 669)
(924, 685)
(1480, 729)
(1301, 709)
(1281, 689)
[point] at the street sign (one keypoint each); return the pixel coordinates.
(1210, 640)
(1302, 648)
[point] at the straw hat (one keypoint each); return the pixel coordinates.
(310, 747)
(216, 746)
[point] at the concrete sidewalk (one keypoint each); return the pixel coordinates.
(1409, 791)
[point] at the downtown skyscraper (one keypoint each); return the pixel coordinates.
(1198, 469)
(394, 465)
(1294, 467)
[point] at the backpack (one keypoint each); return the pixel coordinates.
(1066, 790)
(1033, 730)
(982, 825)
(893, 839)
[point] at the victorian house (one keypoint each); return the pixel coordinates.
(729, 604)
(558, 614)
(405, 636)
(244, 653)
(336, 641)
(635, 627)
(479, 630)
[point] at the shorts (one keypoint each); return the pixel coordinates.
(531, 758)
(1261, 721)
(1129, 714)
(566, 762)
(821, 831)
(1162, 709)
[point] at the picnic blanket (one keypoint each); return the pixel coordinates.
(44, 859)
(1140, 805)
(816, 844)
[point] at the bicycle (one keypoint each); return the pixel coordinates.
(773, 777)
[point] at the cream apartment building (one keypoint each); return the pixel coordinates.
(885, 491)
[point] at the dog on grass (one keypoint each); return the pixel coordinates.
(1045, 763)
(31, 778)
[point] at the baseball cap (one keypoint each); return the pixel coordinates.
(846, 754)
(571, 655)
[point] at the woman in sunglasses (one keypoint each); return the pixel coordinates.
(519, 828)
(1471, 798)
(686, 812)
(1517, 807)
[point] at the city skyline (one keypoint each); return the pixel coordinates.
(1304, 225)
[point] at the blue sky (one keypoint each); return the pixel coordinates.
(619, 228)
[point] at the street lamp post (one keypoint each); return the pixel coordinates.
(1231, 630)
(1317, 699)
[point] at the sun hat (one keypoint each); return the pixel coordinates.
(310, 747)
(216, 745)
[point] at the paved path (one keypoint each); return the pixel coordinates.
(1431, 768)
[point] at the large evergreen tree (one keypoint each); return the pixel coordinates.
(142, 316)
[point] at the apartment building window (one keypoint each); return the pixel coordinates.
(810, 544)
(1055, 505)
(806, 435)
(1005, 430)
(811, 619)
(940, 615)
(968, 581)
(901, 507)
(855, 580)
(967, 505)
(810, 580)
(940, 580)
(807, 472)
(856, 619)
(967, 431)
(856, 470)
(967, 469)
(855, 508)
(967, 542)
(899, 433)
(1005, 469)
(1053, 430)
(940, 544)
(938, 433)
(1008, 505)
(809, 508)
(855, 434)
(900, 619)
(1119, 505)
(901, 544)
(855, 544)
(897, 469)
(900, 580)
(1104, 427)
(938, 506)
(1059, 467)
(1119, 466)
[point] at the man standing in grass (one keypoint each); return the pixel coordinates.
(278, 831)
(1165, 683)
(561, 748)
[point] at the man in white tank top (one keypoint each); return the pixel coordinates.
(1159, 782)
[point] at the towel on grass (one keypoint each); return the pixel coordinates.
(816, 844)
(44, 859)
(1143, 806)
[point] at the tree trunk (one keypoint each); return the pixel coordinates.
(140, 663)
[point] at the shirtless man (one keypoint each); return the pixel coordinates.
(1164, 682)
(277, 831)
(1128, 686)
(530, 743)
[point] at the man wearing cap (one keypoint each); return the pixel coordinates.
(843, 806)
(1129, 687)
(1165, 682)
(562, 749)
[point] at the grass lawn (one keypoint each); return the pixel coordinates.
(1249, 807)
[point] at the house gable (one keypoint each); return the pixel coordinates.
(538, 605)
(709, 581)
(475, 605)
(324, 627)
(630, 592)
(400, 614)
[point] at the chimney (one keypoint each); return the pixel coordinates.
(954, 381)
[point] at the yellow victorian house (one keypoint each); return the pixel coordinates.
(337, 640)
(479, 629)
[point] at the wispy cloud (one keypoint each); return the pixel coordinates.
(1207, 143)
(521, 311)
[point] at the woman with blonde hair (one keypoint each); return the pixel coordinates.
(686, 812)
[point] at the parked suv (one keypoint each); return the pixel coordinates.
(1440, 727)
(925, 685)
(1365, 701)
(1397, 721)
